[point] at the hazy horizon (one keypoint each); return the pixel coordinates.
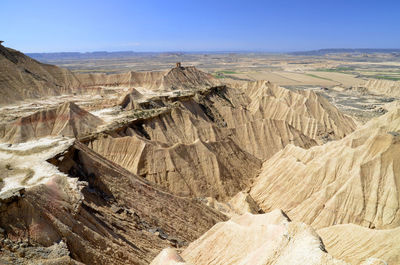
(209, 51)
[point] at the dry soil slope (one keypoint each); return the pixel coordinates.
(182, 78)
(130, 101)
(196, 153)
(382, 87)
(23, 78)
(189, 156)
(128, 79)
(67, 119)
(205, 145)
(262, 118)
(187, 78)
(239, 204)
(217, 169)
(257, 134)
(253, 239)
(353, 180)
(355, 244)
(307, 111)
(137, 101)
(114, 217)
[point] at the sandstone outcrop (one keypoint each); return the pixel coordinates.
(67, 119)
(307, 111)
(381, 87)
(355, 244)
(131, 100)
(130, 79)
(178, 78)
(187, 78)
(239, 204)
(210, 143)
(253, 239)
(23, 78)
(26, 253)
(180, 154)
(353, 180)
(95, 217)
(218, 169)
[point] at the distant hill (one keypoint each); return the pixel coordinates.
(329, 51)
(24, 78)
(48, 57)
(84, 55)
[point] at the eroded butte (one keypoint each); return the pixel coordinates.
(179, 167)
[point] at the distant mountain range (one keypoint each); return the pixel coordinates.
(125, 54)
(85, 55)
(329, 51)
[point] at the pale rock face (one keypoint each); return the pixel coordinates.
(256, 239)
(67, 119)
(307, 111)
(243, 203)
(353, 180)
(217, 169)
(240, 150)
(169, 256)
(356, 244)
(211, 144)
(183, 78)
(24, 78)
(24, 165)
(382, 87)
(130, 100)
(112, 217)
(239, 204)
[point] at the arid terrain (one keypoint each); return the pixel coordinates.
(341, 75)
(230, 158)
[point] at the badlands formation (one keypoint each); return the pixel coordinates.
(353, 180)
(67, 119)
(23, 77)
(176, 167)
(383, 87)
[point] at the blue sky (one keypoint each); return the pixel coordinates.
(204, 25)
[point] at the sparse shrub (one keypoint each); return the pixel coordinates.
(8, 166)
